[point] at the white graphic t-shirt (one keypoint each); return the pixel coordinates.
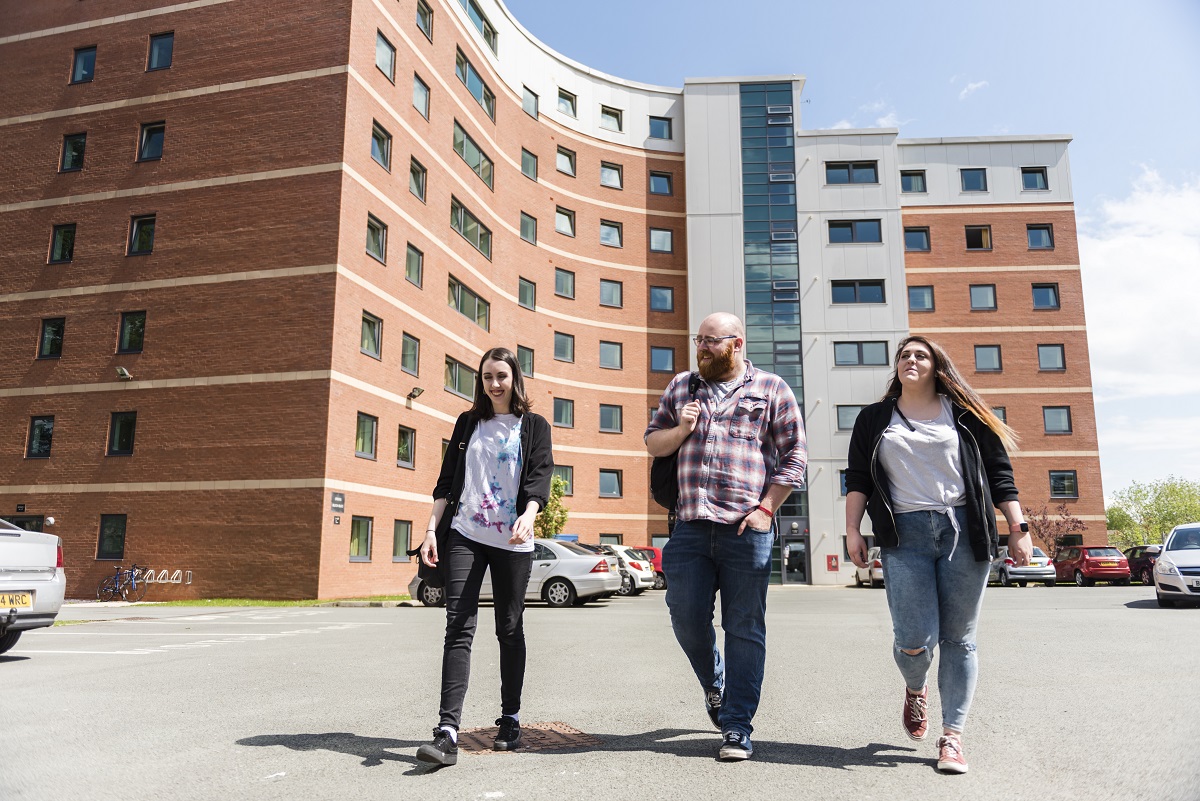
(487, 508)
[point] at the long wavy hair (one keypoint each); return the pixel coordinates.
(949, 382)
(482, 408)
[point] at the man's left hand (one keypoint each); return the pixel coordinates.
(757, 520)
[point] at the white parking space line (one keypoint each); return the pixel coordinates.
(104, 653)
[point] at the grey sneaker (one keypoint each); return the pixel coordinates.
(736, 746)
(442, 751)
(712, 703)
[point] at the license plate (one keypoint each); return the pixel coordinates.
(24, 600)
(1108, 564)
(1196, 584)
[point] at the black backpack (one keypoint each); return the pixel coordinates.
(664, 478)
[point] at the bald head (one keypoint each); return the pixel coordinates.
(722, 324)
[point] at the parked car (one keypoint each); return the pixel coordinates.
(638, 569)
(654, 555)
(32, 581)
(1087, 564)
(1177, 569)
(1006, 571)
(563, 574)
(1141, 562)
(871, 574)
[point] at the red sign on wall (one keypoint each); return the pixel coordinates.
(831, 562)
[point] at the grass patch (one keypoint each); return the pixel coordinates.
(73, 622)
(226, 602)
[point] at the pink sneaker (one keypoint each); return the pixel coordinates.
(950, 755)
(916, 724)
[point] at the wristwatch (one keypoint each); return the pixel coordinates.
(1024, 529)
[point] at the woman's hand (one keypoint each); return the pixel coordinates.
(856, 546)
(522, 530)
(1020, 548)
(429, 551)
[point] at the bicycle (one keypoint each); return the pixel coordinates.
(129, 584)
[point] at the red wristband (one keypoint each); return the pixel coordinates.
(762, 508)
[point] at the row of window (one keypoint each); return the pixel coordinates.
(1051, 357)
(149, 146)
(1063, 483)
(612, 174)
(1055, 419)
(611, 416)
(140, 241)
(121, 428)
(971, 179)
(160, 52)
(131, 335)
(362, 531)
(983, 297)
(612, 293)
(1038, 236)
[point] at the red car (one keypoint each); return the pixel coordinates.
(1085, 565)
(655, 557)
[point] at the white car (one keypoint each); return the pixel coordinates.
(871, 574)
(640, 570)
(32, 581)
(563, 574)
(1177, 571)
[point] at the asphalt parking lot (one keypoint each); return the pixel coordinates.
(1084, 693)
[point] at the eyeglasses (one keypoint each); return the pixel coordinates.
(708, 342)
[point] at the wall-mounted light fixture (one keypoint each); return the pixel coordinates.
(415, 393)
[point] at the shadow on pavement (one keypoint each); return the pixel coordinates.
(373, 751)
(12, 658)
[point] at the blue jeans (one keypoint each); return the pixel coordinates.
(700, 559)
(935, 600)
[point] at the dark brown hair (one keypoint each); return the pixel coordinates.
(949, 382)
(482, 408)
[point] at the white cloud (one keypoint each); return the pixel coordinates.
(889, 120)
(873, 108)
(971, 88)
(843, 124)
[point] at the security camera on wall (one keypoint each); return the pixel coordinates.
(124, 374)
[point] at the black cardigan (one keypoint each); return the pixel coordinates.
(981, 451)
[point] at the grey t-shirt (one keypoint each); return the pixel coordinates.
(922, 465)
(487, 508)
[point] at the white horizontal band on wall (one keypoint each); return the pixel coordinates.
(1024, 268)
(998, 329)
(95, 23)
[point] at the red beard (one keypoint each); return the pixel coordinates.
(719, 366)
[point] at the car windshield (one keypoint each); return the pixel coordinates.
(575, 548)
(1103, 553)
(1038, 552)
(1185, 539)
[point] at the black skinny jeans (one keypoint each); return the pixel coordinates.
(510, 578)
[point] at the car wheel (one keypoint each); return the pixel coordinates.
(9, 640)
(1050, 583)
(858, 582)
(1166, 603)
(875, 583)
(660, 581)
(1005, 581)
(431, 596)
(626, 586)
(637, 591)
(559, 592)
(1080, 581)
(1147, 577)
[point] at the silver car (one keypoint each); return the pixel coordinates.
(871, 574)
(1177, 571)
(32, 581)
(1005, 571)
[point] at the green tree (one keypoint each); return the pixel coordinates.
(1050, 529)
(553, 519)
(1144, 513)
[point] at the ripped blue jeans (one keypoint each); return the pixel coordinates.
(935, 600)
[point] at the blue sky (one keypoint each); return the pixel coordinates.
(1122, 78)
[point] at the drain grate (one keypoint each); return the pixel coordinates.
(534, 737)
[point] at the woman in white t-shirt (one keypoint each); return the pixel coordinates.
(494, 480)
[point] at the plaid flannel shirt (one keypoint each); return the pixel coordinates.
(752, 439)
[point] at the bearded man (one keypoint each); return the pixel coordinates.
(741, 453)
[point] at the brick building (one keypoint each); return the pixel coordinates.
(244, 241)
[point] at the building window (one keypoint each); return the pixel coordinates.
(401, 540)
(376, 239)
(381, 146)
(475, 158)
(567, 474)
(414, 265)
(468, 304)
(471, 229)
(460, 379)
(525, 360)
(364, 436)
(526, 293)
(566, 103)
(843, 232)
(410, 354)
(660, 128)
(406, 447)
(979, 237)
(83, 67)
(1041, 237)
(1002, 413)
(564, 347)
(662, 240)
(480, 21)
(610, 119)
(371, 341)
(1063, 484)
(564, 283)
(983, 297)
(610, 483)
(610, 234)
(611, 175)
(920, 298)
(1045, 296)
(111, 544)
(662, 360)
(873, 354)
(150, 142)
(50, 343)
(474, 82)
(132, 333)
(360, 538)
(842, 483)
(1051, 357)
(62, 243)
(74, 146)
(660, 183)
(662, 299)
(564, 221)
(916, 239)
(610, 355)
(564, 412)
(416, 179)
(912, 181)
(425, 19)
(528, 164)
(121, 428)
(846, 415)
(610, 539)
(611, 293)
(1034, 178)
(528, 228)
(1056, 419)
(858, 291)
(851, 172)
(420, 96)
(610, 418)
(162, 50)
(141, 235)
(987, 359)
(529, 102)
(385, 56)
(41, 434)
(565, 161)
(974, 179)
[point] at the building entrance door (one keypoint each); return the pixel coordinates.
(795, 561)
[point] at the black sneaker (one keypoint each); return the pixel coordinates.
(736, 746)
(509, 736)
(712, 702)
(442, 751)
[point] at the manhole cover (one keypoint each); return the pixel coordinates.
(534, 737)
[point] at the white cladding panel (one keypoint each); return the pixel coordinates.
(943, 161)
